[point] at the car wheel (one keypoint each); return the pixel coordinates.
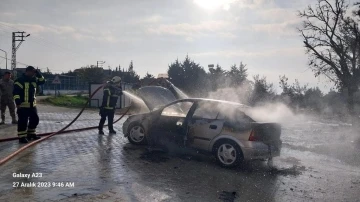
(136, 134)
(228, 153)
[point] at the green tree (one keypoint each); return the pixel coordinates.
(294, 94)
(189, 76)
(217, 77)
(237, 75)
(313, 99)
(130, 76)
(147, 79)
(131, 67)
(91, 74)
(262, 91)
(195, 78)
(332, 41)
(299, 94)
(176, 73)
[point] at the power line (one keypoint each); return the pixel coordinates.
(41, 39)
(54, 70)
(40, 42)
(16, 62)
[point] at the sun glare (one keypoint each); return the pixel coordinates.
(212, 4)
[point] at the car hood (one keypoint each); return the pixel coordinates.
(155, 96)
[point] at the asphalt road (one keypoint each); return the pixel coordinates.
(319, 162)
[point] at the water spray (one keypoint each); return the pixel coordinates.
(63, 130)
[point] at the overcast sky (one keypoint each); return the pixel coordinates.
(69, 34)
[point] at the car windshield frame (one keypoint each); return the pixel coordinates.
(177, 106)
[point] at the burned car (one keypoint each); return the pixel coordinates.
(218, 127)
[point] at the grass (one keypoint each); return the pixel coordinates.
(66, 101)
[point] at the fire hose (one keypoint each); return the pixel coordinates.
(62, 131)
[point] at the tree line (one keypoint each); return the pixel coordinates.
(234, 85)
(331, 38)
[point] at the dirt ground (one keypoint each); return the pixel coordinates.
(319, 162)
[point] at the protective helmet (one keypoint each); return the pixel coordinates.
(115, 79)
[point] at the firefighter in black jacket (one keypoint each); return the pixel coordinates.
(112, 91)
(25, 98)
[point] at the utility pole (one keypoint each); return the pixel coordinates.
(99, 63)
(16, 36)
(5, 57)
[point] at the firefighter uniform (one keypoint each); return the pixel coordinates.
(6, 87)
(25, 99)
(0, 96)
(107, 109)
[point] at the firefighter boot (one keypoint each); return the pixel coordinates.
(14, 121)
(101, 132)
(23, 140)
(2, 119)
(33, 136)
(112, 132)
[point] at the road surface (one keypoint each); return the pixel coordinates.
(319, 162)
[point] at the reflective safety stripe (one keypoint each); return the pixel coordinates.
(19, 84)
(27, 104)
(22, 133)
(108, 98)
(106, 89)
(41, 79)
(35, 85)
(108, 101)
(31, 131)
(16, 97)
(26, 92)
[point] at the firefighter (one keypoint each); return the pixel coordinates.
(25, 99)
(0, 94)
(112, 91)
(6, 87)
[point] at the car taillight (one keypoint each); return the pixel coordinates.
(252, 136)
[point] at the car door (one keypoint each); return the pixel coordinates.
(203, 126)
(170, 122)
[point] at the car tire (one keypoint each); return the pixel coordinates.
(136, 134)
(227, 153)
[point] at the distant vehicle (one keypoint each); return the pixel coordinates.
(218, 127)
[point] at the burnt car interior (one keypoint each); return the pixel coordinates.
(171, 122)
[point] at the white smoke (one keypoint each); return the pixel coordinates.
(274, 112)
(266, 112)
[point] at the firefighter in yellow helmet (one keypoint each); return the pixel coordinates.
(112, 91)
(25, 98)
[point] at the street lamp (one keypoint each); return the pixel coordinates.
(5, 57)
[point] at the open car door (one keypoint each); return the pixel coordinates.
(203, 126)
(169, 126)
